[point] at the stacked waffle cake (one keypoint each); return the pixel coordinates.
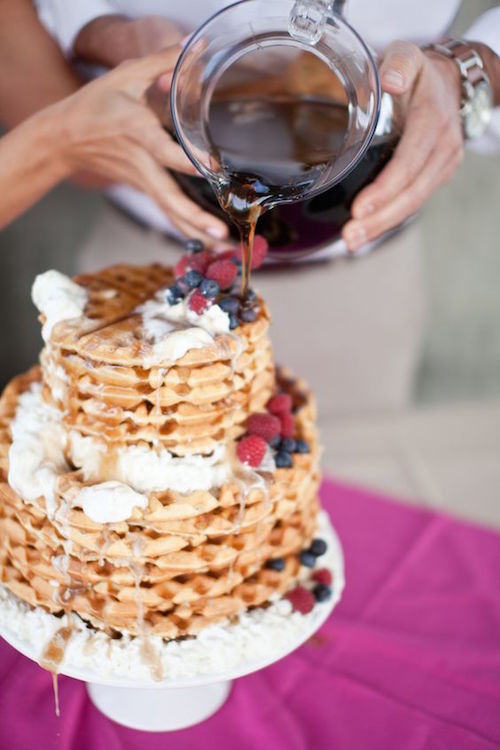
(158, 474)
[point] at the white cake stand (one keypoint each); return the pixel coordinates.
(180, 702)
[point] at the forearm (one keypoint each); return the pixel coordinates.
(33, 71)
(32, 161)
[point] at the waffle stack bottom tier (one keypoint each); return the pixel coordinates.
(99, 420)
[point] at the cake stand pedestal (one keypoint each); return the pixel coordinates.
(177, 703)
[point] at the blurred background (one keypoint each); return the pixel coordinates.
(440, 444)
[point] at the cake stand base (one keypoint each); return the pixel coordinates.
(159, 710)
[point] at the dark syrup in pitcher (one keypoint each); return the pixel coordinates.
(272, 138)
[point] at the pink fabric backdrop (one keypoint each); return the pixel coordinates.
(409, 660)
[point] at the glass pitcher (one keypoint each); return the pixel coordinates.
(283, 96)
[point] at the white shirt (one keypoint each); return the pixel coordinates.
(378, 23)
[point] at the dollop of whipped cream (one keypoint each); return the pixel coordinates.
(109, 502)
(147, 470)
(36, 454)
(175, 329)
(58, 298)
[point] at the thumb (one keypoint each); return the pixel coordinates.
(400, 67)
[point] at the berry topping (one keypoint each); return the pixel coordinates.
(318, 547)
(209, 288)
(174, 294)
(322, 592)
(259, 251)
(192, 279)
(301, 446)
(288, 445)
(248, 315)
(323, 575)
(287, 424)
(283, 460)
(195, 262)
(301, 599)
(198, 303)
(233, 322)
(251, 450)
(264, 425)
(181, 266)
(278, 563)
(224, 272)
(230, 305)
(194, 246)
(275, 442)
(307, 558)
(280, 403)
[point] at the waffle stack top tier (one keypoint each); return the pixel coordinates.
(125, 496)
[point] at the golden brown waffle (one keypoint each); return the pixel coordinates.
(185, 560)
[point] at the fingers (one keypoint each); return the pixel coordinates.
(439, 168)
(400, 67)
(164, 149)
(179, 208)
(412, 151)
(138, 75)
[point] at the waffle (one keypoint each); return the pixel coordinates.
(186, 559)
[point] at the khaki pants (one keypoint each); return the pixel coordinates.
(352, 327)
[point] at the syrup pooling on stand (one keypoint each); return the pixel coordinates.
(277, 120)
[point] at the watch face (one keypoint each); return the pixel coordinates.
(478, 114)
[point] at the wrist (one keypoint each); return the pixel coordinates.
(101, 40)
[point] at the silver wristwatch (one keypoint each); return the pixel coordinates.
(477, 98)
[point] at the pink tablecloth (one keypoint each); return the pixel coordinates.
(409, 660)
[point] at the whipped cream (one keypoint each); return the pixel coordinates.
(147, 470)
(175, 329)
(109, 502)
(36, 455)
(58, 298)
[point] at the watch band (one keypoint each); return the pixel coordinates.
(471, 68)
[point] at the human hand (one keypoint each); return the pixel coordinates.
(110, 40)
(430, 149)
(107, 129)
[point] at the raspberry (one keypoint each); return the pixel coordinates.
(228, 255)
(193, 262)
(259, 251)
(223, 272)
(301, 599)
(251, 450)
(322, 575)
(200, 261)
(181, 266)
(198, 303)
(280, 403)
(264, 425)
(287, 424)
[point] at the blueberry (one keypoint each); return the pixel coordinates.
(192, 279)
(318, 547)
(278, 563)
(248, 315)
(250, 296)
(301, 446)
(194, 246)
(209, 288)
(275, 442)
(307, 558)
(288, 445)
(233, 322)
(322, 592)
(236, 262)
(283, 460)
(230, 305)
(173, 294)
